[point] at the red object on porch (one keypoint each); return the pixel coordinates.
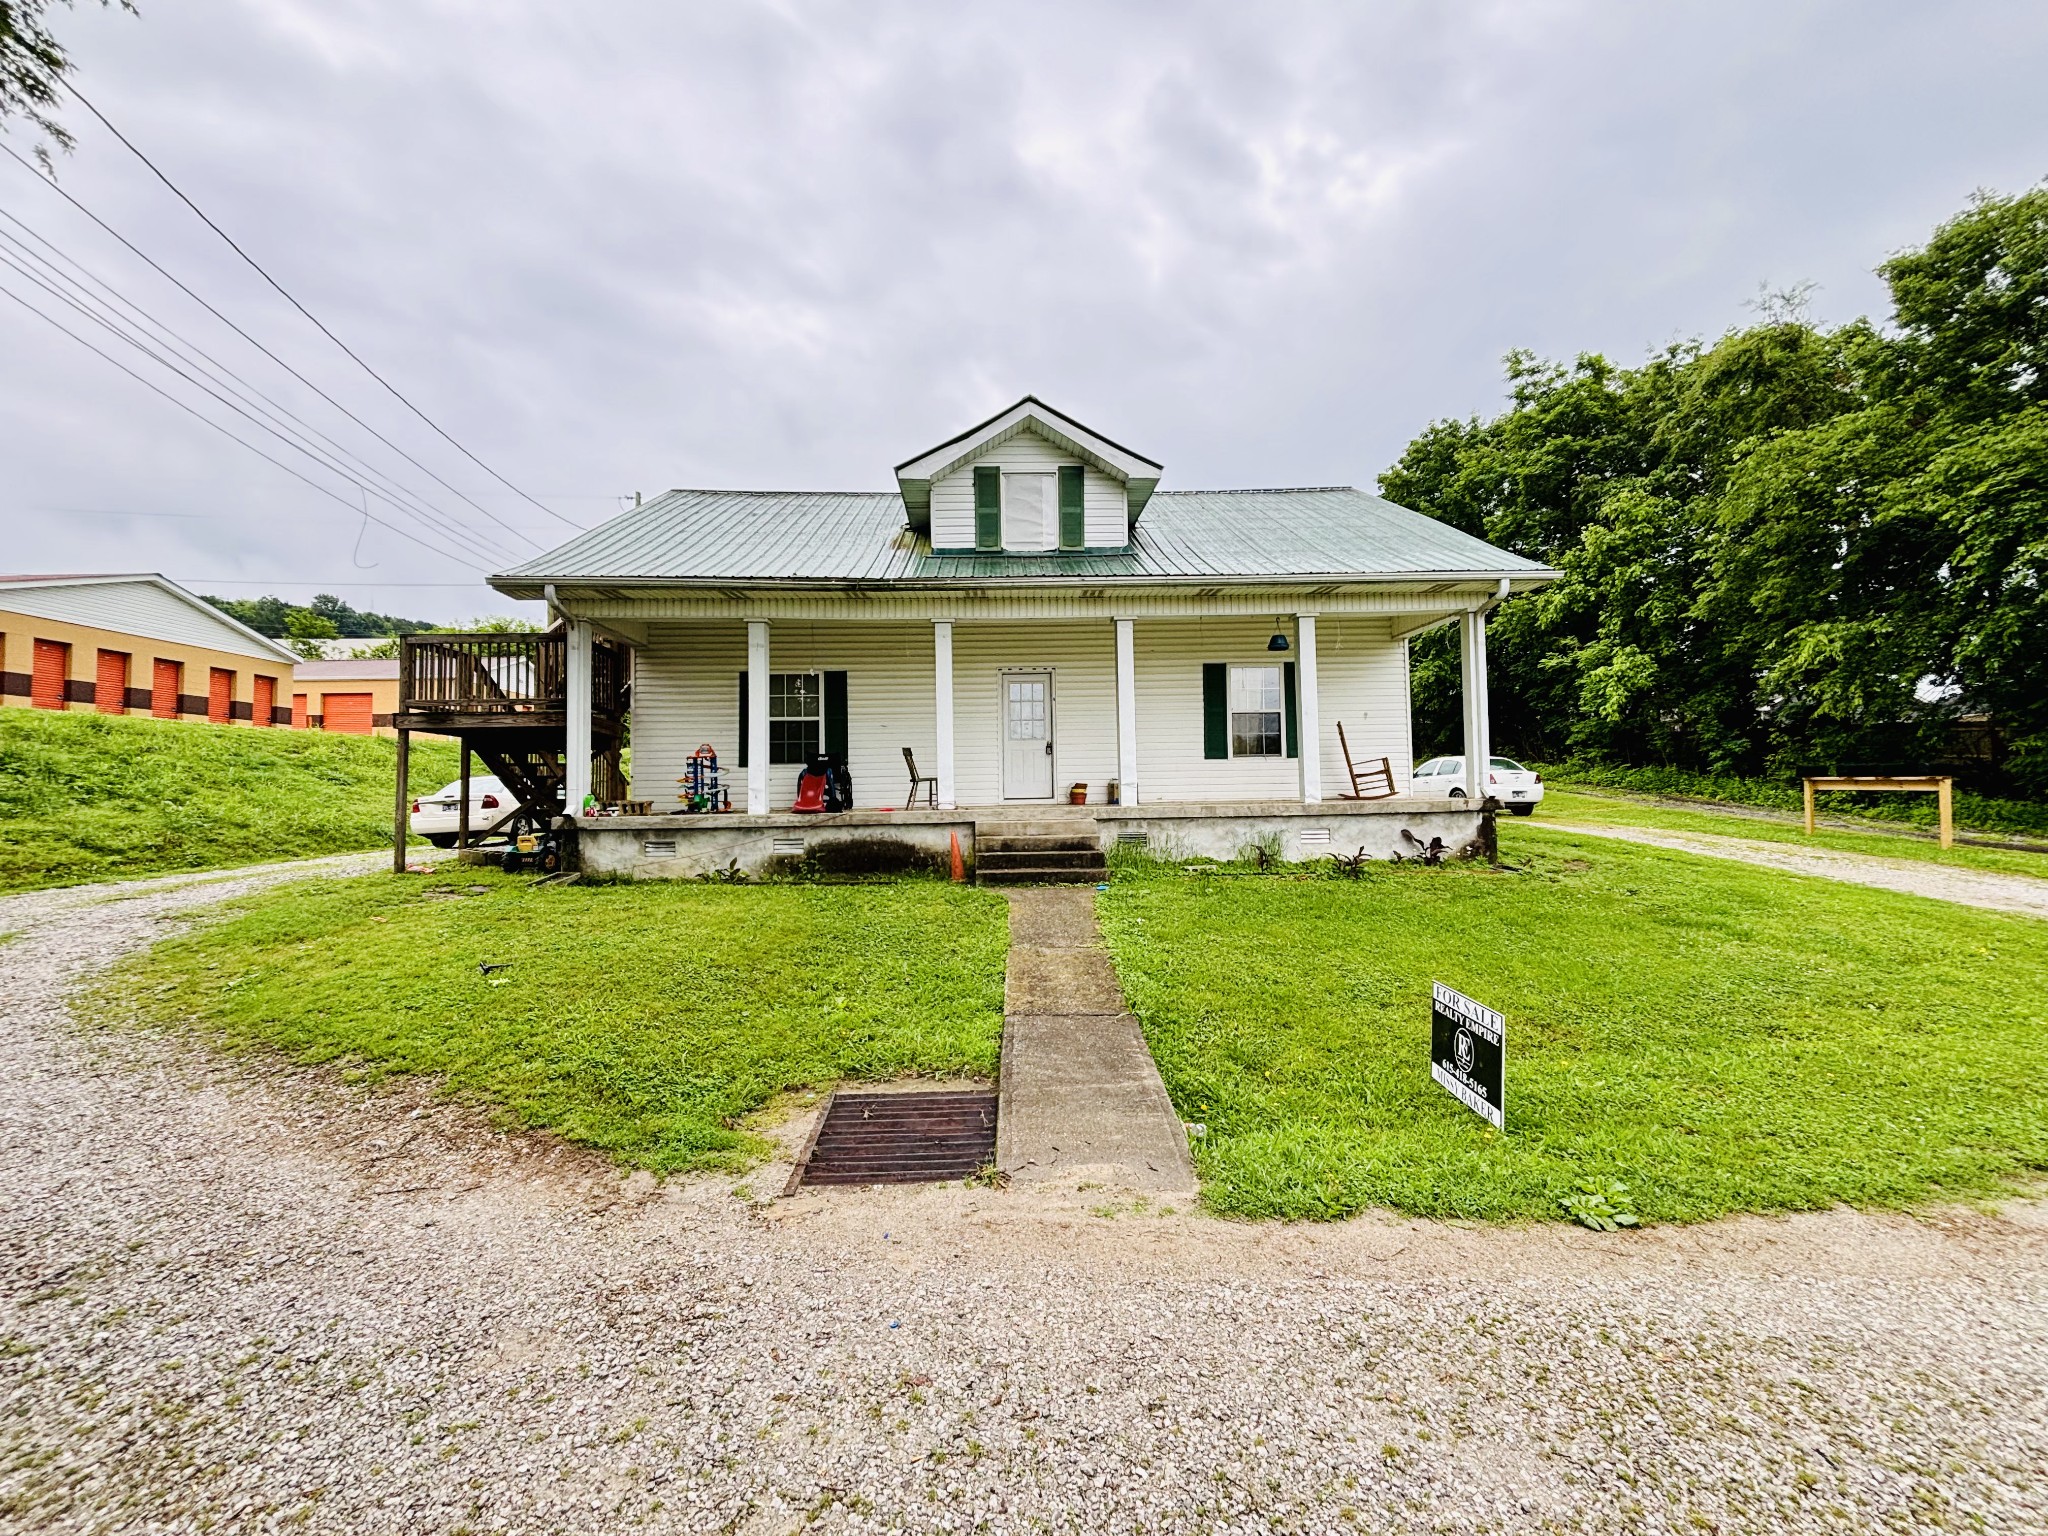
(810, 792)
(52, 671)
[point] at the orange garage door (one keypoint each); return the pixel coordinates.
(53, 669)
(110, 691)
(346, 712)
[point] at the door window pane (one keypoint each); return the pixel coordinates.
(1026, 709)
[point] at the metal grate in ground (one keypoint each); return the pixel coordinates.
(902, 1138)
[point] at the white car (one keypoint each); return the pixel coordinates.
(1519, 789)
(436, 817)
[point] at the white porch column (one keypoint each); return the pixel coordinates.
(1472, 681)
(942, 707)
(1126, 712)
(1309, 708)
(576, 706)
(757, 717)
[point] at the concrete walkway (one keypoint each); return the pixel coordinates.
(1080, 1097)
(1915, 877)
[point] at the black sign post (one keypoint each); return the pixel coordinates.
(1468, 1047)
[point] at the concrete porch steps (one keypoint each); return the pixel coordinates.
(1066, 852)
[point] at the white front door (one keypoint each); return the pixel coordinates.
(1027, 735)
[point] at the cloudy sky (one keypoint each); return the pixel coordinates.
(641, 243)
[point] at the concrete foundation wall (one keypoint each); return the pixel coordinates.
(682, 848)
(864, 843)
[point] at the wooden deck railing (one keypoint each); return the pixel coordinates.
(487, 674)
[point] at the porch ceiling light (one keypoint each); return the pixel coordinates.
(1279, 640)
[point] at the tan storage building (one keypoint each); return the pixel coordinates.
(136, 644)
(355, 695)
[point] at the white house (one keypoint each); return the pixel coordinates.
(1027, 611)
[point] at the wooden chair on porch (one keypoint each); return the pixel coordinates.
(931, 784)
(1371, 780)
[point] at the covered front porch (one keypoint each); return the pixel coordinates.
(1018, 703)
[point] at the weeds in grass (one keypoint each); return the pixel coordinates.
(1718, 1036)
(1603, 1205)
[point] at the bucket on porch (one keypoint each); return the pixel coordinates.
(1077, 794)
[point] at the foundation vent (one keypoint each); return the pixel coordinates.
(1313, 837)
(786, 845)
(658, 848)
(1134, 839)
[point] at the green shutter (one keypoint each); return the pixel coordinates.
(835, 715)
(988, 507)
(1215, 709)
(1293, 710)
(1073, 518)
(743, 720)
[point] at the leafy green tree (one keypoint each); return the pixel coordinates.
(305, 629)
(1792, 547)
(32, 69)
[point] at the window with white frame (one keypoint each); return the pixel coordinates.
(1256, 712)
(796, 716)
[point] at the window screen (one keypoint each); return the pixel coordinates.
(1255, 712)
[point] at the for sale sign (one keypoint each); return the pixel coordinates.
(1468, 1052)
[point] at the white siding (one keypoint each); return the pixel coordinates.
(686, 691)
(1082, 659)
(138, 608)
(1106, 510)
(1102, 497)
(1362, 680)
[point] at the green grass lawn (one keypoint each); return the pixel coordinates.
(1719, 1037)
(646, 1020)
(102, 797)
(1573, 805)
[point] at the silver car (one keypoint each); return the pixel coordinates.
(436, 817)
(1519, 789)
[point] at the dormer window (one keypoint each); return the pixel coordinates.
(1029, 509)
(1026, 481)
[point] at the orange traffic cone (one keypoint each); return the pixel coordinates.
(959, 869)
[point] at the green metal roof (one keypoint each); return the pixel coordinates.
(739, 537)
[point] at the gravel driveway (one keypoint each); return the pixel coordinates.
(1944, 882)
(246, 1297)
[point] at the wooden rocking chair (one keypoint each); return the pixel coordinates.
(928, 782)
(1372, 780)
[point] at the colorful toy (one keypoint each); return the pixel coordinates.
(701, 790)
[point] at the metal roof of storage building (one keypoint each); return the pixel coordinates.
(717, 537)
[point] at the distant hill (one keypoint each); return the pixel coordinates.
(100, 797)
(272, 616)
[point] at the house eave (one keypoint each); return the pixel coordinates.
(534, 588)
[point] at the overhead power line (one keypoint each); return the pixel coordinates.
(191, 410)
(196, 298)
(287, 436)
(257, 268)
(281, 422)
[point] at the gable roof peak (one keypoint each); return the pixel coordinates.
(1138, 474)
